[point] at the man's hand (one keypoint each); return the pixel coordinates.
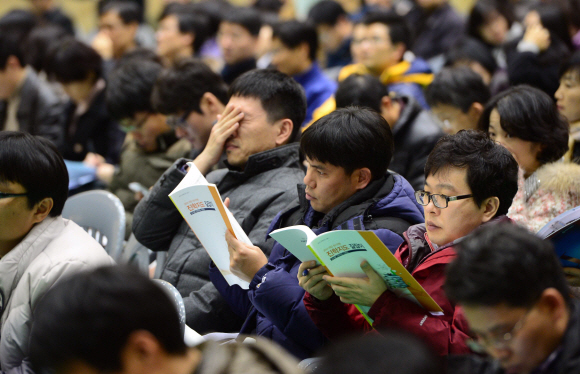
(310, 278)
(361, 291)
(572, 276)
(245, 260)
(537, 35)
(228, 122)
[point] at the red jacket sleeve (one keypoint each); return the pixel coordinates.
(334, 318)
(446, 334)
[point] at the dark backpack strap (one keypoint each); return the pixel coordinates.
(394, 224)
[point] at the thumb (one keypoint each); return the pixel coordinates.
(227, 202)
(369, 271)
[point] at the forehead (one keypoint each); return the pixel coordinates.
(251, 106)
(10, 187)
(170, 20)
(226, 26)
(572, 75)
(112, 16)
(323, 165)
(379, 29)
(449, 178)
(484, 318)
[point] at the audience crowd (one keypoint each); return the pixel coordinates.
(453, 138)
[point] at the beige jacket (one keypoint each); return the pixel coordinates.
(53, 249)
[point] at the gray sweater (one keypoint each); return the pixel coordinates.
(265, 187)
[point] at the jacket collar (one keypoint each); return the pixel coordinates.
(14, 263)
(411, 109)
(307, 75)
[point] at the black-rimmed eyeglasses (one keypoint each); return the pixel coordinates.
(439, 200)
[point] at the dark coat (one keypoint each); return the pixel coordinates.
(273, 304)
(41, 112)
(415, 135)
(95, 131)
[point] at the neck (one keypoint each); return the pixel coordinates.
(19, 77)
(120, 52)
(185, 364)
(179, 54)
(7, 246)
(304, 67)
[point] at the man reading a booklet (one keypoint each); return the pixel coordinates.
(514, 294)
(469, 180)
(263, 114)
(347, 186)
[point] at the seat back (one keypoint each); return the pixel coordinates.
(103, 216)
(175, 296)
(135, 254)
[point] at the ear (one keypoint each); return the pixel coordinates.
(553, 304)
(304, 50)
(190, 38)
(490, 207)
(361, 178)
(474, 112)
(400, 50)
(42, 209)
(13, 62)
(142, 353)
(285, 127)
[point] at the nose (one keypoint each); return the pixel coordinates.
(308, 180)
(558, 94)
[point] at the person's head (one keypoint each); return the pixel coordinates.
(472, 53)
(32, 169)
(513, 292)
(477, 169)
(14, 29)
(238, 34)
(181, 32)
(110, 319)
(490, 21)
(430, 5)
(294, 46)
(42, 6)
(128, 97)
(457, 97)
(274, 107)
(400, 352)
(526, 121)
(338, 167)
(551, 16)
(568, 94)
(39, 44)
(76, 66)
(368, 91)
(193, 95)
(386, 38)
(332, 24)
(119, 20)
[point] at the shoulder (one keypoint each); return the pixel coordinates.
(560, 177)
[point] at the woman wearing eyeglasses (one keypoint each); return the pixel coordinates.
(526, 122)
(470, 180)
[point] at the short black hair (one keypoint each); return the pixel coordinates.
(330, 140)
(35, 163)
(128, 11)
(72, 61)
(482, 12)
(14, 29)
(294, 33)
(129, 88)
(89, 317)
(467, 50)
(181, 87)
(326, 12)
(397, 350)
(189, 21)
(248, 18)
(360, 90)
(491, 169)
(399, 30)
(280, 96)
(503, 263)
(530, 114)
(139, 54)
(459, 87)
(572, 65)
(41, 40)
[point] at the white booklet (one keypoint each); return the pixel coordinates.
(200, 204)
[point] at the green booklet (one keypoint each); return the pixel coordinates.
(342, 251)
